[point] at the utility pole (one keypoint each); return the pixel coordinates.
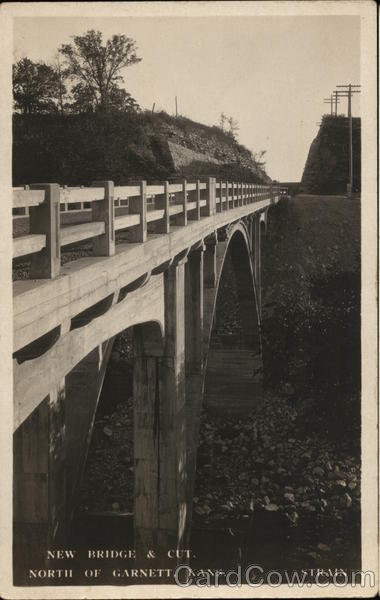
(176, 107)
(347, 91)
(336, 103)
(329, 101)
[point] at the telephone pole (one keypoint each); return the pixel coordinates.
(329, 101)
(347, 91)
(336, 103)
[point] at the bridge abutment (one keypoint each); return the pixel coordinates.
(39, 492)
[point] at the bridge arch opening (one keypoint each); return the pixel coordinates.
(233, 365)
(111, 443)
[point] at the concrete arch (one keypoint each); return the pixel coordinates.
(233, 367)
(143, 305)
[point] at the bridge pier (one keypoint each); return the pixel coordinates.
(39, 490)
(257, 258)
(160, 429)
(194, 367)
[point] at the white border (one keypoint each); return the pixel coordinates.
(366, 9)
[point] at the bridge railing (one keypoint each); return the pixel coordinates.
(135, 208)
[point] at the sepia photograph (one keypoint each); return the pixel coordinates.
(189, 311)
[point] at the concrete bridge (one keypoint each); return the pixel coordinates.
(161, 278)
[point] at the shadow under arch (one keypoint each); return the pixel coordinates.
(83, 389)
(233, 365)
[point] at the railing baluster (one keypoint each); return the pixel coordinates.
(182, 218)
(210, 208)
(198, 200)
(218, 205)
(103, 210)
(227, 197)
(163, 202)
(45, 219)
(137, 206)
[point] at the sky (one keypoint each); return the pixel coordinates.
(271, 74)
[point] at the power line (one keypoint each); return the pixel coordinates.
(331, 101)
(346, 92)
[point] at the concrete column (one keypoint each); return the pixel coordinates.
(159, 427)
(173, 424)
(194, 366)
(147, 423)
(39, 484)
(209, 268)
(257, 259)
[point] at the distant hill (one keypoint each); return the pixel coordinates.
(78, 149)
(327, 165)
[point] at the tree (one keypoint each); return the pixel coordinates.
(258, 158)
(61, 75)
(234, 127)
(222, 121)
(122, 101)
(95, 67)
(82, 99)
(36, 87)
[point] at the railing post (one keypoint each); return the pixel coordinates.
(163, 202)
(218, 205)
(195, 214)
(210, 208)
(182, 218)
(233, 194)
(227, 197)
(138, 206)
(103, 210)
(45, 219)
(26, 209)
(198, 199)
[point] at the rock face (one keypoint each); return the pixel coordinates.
(327, 165)
(197, 149)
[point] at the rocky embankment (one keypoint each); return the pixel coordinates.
(326, 168)
(78, 149)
